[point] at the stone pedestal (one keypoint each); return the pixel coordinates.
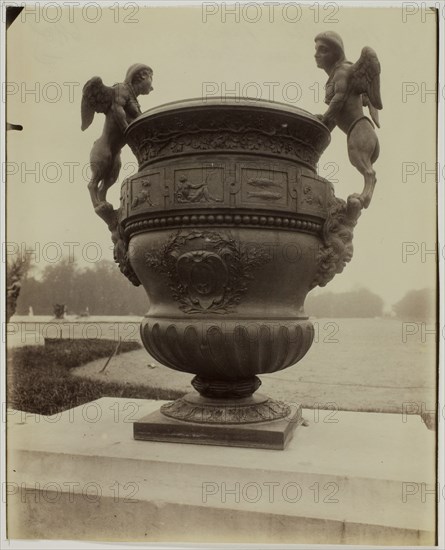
(357, 478)
(256, 421)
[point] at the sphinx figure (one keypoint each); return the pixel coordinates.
(120, 106)
(350, 87)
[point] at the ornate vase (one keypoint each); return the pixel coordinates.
(225, 226)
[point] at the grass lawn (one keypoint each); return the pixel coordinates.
(39, 379)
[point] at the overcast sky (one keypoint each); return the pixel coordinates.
(56, 52)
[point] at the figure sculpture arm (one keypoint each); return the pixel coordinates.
(118, 107)
(337, 102)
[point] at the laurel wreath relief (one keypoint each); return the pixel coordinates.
(223, 266)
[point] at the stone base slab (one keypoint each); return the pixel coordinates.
(274, 434)
(345, 478)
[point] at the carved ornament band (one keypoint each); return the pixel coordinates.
(289, 223)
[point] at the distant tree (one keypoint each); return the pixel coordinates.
(58, 285)
(417, 304)
(105, 291)
(32, 295)
(101, 289)
(355, 303)
(17, 268)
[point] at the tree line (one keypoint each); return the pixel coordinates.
(100, 290)
(103, 290)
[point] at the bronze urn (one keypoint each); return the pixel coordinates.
(228, 227)
(222, 226)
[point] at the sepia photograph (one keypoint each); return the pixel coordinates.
(222, 270)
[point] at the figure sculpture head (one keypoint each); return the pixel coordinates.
(140, 76)
(329, 50)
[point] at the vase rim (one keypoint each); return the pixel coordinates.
(232, 102)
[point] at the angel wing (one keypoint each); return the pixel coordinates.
(365, 79)
(96, 98)
(366, 102)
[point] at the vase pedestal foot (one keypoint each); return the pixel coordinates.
(256, 421)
